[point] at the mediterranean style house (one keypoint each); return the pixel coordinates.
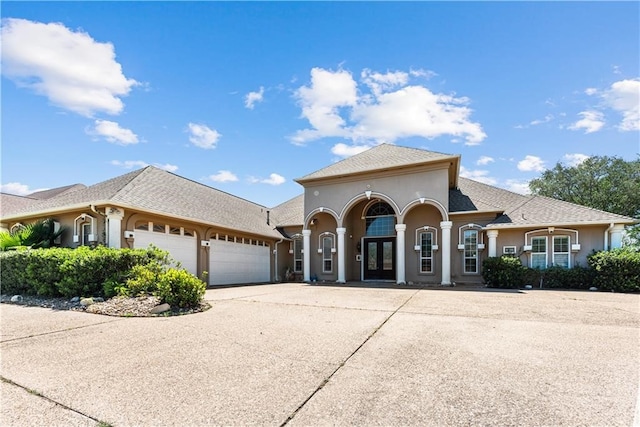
(391, 213)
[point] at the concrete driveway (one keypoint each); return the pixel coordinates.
(295, 354)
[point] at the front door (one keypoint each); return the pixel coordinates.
(379, 258)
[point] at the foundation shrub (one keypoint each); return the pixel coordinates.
(567, 278)
(179, 288)
(503, 272)
(616, 270)
(13, 278)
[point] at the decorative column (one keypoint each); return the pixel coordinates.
(114, 225)
(493, 249)
(306, 255)
(446, 252)
(341, 254)
(616, 236)
(400, 268)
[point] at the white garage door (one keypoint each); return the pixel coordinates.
(232, 263)
(181, 248)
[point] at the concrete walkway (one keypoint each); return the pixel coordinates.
(295, 354)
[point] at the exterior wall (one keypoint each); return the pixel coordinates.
(460, 223)
(416, 219)
(402, 188)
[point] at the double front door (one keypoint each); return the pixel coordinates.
(379, 258)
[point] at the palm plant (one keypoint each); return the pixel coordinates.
(40, 234)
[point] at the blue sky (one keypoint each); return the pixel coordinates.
(246, 97)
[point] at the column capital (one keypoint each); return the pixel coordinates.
(401, 227)
(446, 225)
(113, 212)
(492, 233)
(306, 232)
(617, 228)
(341, 230)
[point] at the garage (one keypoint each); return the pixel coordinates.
(235, 261)
(181, 247)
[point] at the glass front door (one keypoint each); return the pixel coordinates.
(380, 258)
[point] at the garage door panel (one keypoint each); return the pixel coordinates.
(234, 263)
(181, 248)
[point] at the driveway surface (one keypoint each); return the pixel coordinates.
(296, 354)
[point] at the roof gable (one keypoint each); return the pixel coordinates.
(379, 158)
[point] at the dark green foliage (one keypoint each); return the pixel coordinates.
(616, 270)
(503, 272)
(40, 234)
(179, 288)
(607, 183)
(567, 278)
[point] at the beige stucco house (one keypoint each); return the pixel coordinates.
(390, 213)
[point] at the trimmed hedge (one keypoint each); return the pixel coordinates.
(98, 272)
(503, 272)
(616, 270)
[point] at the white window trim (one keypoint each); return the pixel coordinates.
(546, 251)
(327, 256)
(421, 253)
(553, 250)
(78, 229)
(464, 250)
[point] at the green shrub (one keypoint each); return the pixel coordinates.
(13, 278)
(179, 288)
(503, 272)
(616, 270)
(143, 280)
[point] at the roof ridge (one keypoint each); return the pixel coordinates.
(533, 196)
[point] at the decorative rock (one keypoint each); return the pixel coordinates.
(75, 299)
(528, 287)
(86, 302)
(160, 308)
(98, 299)
(16, 298)
(593, 288)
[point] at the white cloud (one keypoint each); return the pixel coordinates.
(531, 163)
(223, 176)
(592, 121)
(485, 160)
(274, 179)
(137, 164)
(591, 91)
(624, 97)
(70, 68)
(202, 136)
(344, 150)
(427, 74)
(112, 132)
(477, 175)
(517, 186)
(390, 110)
(546, 119)
(253, 97)
(575, 159)
(18, 189)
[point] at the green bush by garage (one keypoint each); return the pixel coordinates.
(105, 272)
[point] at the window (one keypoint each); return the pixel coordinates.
(327, 256)
(561, 251)
(297, 255)
(159, 228)
(470, 251)
(426, 252)
(539, 252)
(380, 220)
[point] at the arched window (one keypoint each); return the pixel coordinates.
(380, 220)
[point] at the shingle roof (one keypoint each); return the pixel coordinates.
(10, 203)
(475, 196)
(47, 194)
(290, 212)
(381, 157)
(540, 210)
(165, 193)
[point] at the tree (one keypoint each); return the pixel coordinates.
(607, 183)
